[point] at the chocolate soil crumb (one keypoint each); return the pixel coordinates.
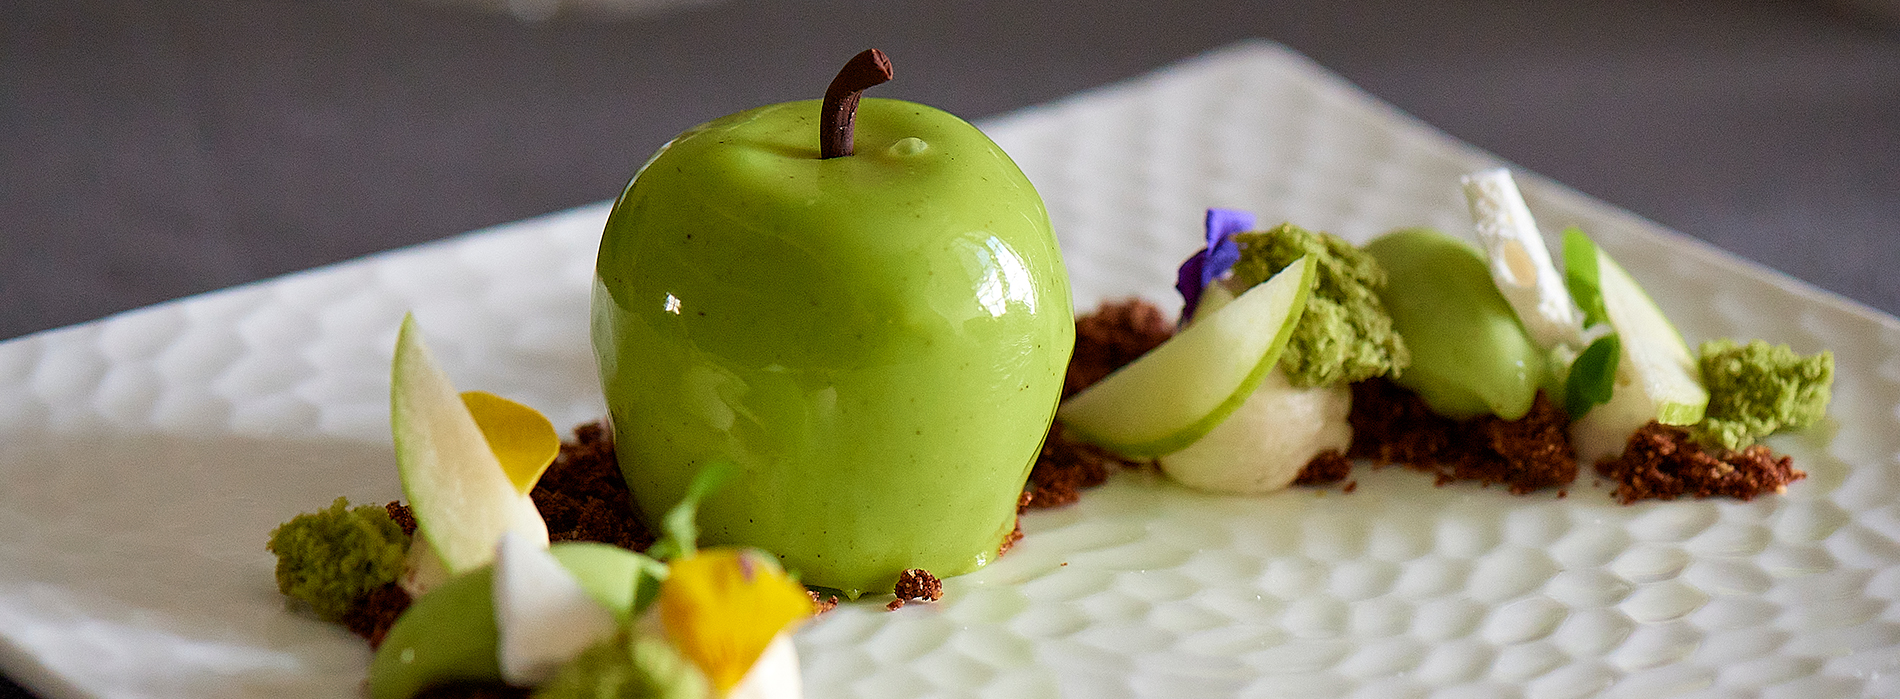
(400, 514)
(918, 584)
(1067, 467)
(583, 497)
(376, 611)
(1661, 462)
(1391, 425)
(821, 603)
(1327, 468)
(1114, 335)
(1016, 534)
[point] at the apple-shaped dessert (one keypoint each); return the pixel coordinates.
(861, 304)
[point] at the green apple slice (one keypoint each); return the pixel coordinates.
(1179, 391)
(1656, 377)
(1213, 298)
(461, 496)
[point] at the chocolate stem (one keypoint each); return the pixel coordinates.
(840, 111)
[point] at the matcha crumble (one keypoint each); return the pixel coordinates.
(332, 557)
(1757, 388)
(1345, 335)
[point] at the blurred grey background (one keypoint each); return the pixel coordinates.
(155, 149)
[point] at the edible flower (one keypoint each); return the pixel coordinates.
(720, 625)
(723, 608)
(1214, 261)
(523, 439)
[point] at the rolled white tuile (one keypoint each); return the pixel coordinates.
(1519, 260)
(543, 615)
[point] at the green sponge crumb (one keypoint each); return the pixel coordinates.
(331, 557)
(1758, 388)
(626, 667)
(1345, 335)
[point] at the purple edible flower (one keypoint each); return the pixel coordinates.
(1213, 261)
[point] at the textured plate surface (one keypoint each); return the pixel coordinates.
(145, 457)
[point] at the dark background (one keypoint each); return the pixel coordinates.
(151, 150)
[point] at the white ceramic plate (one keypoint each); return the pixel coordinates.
(145, 457)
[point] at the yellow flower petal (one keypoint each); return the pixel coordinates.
(522, 439)
(722, 607)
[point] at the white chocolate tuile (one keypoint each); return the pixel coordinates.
(1519, 260)
(542, 614)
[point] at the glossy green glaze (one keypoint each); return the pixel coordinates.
(878, 341)
(1470, 355)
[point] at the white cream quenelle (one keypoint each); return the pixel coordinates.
(1519, 260)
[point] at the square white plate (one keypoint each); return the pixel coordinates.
(145, 457)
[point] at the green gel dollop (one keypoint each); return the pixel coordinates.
(1470, 355)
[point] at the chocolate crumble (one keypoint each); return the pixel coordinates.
(583, 497)
(474, 690)
(918, 584)
(1327, 468)
(400, 514)
(376, 611)
(1014, 535)
(1114, 335)
(1065, 468)
(1662, 462)
(1392, 425)
(821, 603)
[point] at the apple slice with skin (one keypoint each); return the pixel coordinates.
(1656, 377)
(1179, 391)
(462, 496)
